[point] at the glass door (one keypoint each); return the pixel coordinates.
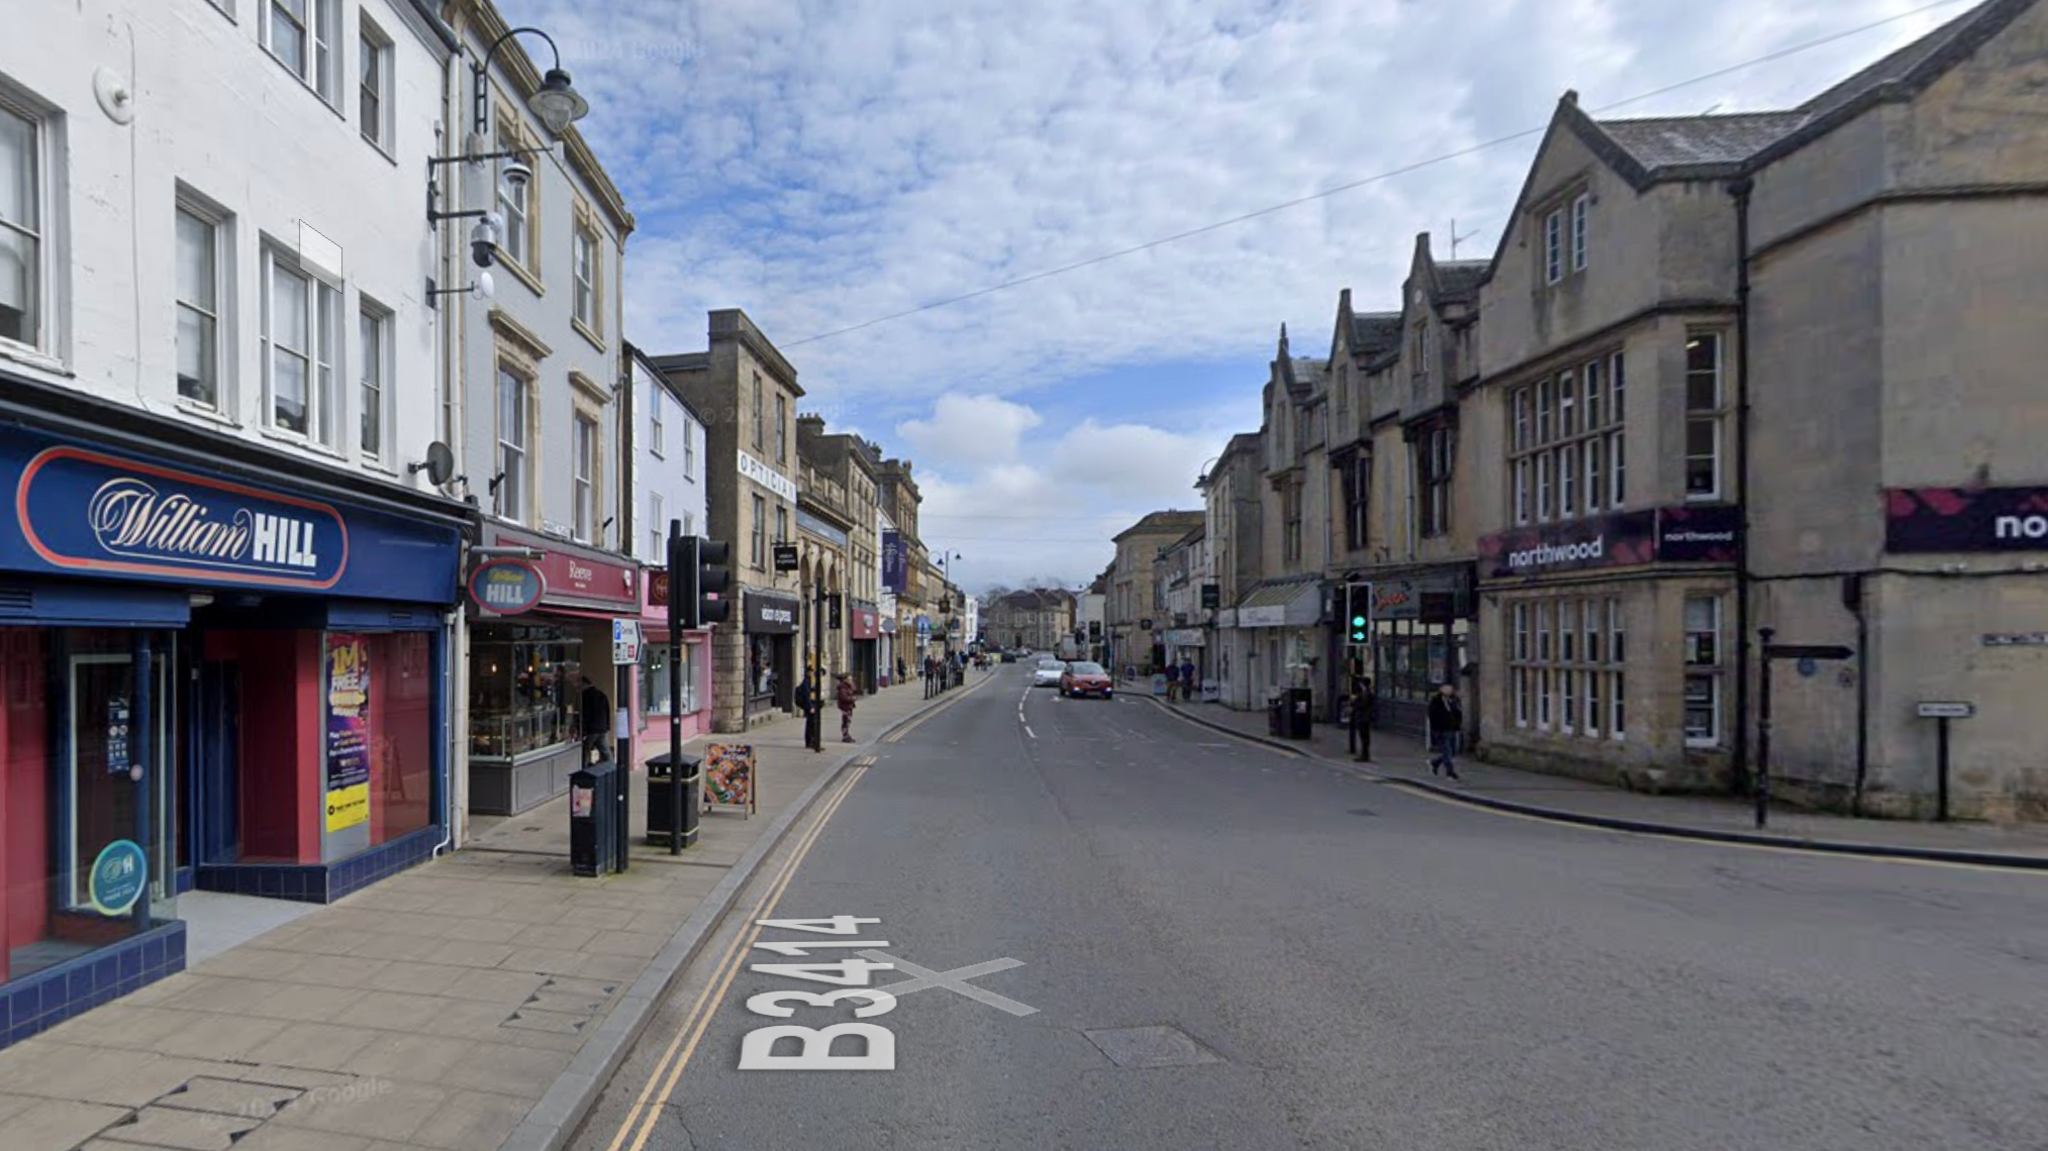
(99, 786)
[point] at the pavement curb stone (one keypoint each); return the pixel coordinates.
(551, 1123)
(1646, 827)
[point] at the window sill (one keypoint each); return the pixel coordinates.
(308, 85)
(199, 411)
(302, 443)
(381, 468)
(520, 272)
(31, 357)
(591, 337)
(381, 150)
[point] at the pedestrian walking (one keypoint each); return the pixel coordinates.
(808, 703)
(902, 673)
(1446, 731)
(845, 694)
(1365, 705)
(597, 722)
(1187, 678)
(1172, 682)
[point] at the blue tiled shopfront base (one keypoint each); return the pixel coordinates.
(321, 882)
(38, 1002)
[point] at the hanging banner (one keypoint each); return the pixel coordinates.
(895, 562)
(348, 732)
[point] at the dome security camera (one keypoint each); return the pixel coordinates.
(517, 175)
(483, 240)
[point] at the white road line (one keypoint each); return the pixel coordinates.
(1029, 732)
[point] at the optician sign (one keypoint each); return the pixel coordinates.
(767, 477)
(1926, 520)
(85, 511)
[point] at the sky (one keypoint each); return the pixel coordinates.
(828, 165)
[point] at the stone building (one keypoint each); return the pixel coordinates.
(747, 393)
(1880, 247)
(1235, 528)
(1134, 610)
(836, 513)
(904, 564)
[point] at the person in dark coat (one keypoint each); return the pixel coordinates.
(845, 694)
(1446, 731)
(1365, 705)
(597, 720)
(808, 703)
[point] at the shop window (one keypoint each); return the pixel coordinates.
(655, 673)
(1565, 665)
(1702, 671)
(525, 690)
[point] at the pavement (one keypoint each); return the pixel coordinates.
(1114, 930)
(475, 1003)
(1403, 759)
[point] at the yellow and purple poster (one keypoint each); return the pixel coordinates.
(348, 732)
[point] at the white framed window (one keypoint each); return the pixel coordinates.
(689, 452)
(657, 427)
(514, 391)
(1553, 247)
(301, 347)
(757, 555)
(584, 261)
(373, 84)
(1703, 404)
(1562, 444)
(781, 428)
(373, 375)
(1702, 671)
(583, 470)
(200, 305)
(24, 274)
(301, 34)
(657, 529)
(1582, 206)
(760, 413)
(1617, 680)
(514, 205)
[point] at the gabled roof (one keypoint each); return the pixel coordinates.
(1679, 141)
(1375, 333)
(1175, 523)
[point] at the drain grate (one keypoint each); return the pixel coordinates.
(1150, 1047)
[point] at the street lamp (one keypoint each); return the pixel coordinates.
(557, 104)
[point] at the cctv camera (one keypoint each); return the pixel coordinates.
(516, 175)
(483, 240)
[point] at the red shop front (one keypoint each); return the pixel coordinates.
(865, 647)
(659, 664)
(542, 683)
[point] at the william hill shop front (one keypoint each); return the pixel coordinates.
(219, 669)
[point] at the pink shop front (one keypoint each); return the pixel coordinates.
(658, 667)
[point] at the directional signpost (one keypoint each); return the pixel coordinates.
(1941, 711)
(1776, 651)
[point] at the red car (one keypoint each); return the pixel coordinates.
(1086, 679)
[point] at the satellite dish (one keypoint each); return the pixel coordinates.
(439, 464)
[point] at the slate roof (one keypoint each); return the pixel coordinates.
(1459, 279)
(1901, 63)
(1375, 333)
(1163, 523)
(1677, 141)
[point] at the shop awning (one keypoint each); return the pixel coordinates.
(1282, 603)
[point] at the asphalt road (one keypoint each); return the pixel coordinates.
(1354, 965)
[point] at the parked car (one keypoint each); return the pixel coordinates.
(1084, 678)
(1048, 673)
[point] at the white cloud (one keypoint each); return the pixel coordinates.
(964, 429)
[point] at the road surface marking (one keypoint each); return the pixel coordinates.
(1029, 732)
(954, 981)
(897, 735)
(699, 1017)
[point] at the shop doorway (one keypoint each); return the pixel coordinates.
(100, 802)
(216, 793)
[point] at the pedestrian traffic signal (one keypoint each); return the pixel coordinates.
(696, 570)
(1358, 613)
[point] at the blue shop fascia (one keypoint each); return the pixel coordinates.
(222, 668)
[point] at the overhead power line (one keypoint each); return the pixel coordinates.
(1405, 169)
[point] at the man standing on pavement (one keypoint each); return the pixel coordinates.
(1172, 682)
(1446, 731)
(1365, 703)
(845, 693)
(1187, 678)
(597, 721)
(807, 702)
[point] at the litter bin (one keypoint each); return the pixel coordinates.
(663, 792)
(593, 813)
(1300, 702)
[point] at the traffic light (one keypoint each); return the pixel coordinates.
(696, 569)
(1358, 613)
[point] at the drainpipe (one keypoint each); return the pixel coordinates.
(1853, 591)
(1740, 190)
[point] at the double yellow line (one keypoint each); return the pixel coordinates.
(647, 1108)
(897, 735)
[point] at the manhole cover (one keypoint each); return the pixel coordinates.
(1150, 1047)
